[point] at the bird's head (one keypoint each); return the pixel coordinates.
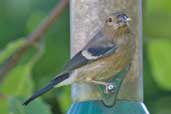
(117, 22)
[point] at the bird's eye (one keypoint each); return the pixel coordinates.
(110, 19)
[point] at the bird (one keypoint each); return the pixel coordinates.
(108, 52)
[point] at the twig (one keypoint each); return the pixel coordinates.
(35, 36)
(2, 96)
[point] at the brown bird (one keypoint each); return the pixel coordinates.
(109, 52)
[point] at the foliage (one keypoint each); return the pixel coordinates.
(159, 56)
(157, 45)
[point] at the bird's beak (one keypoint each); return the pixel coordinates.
(128, 19)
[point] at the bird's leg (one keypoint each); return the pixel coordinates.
(109, 87)
(97, 82)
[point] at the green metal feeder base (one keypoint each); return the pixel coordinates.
(97, 107)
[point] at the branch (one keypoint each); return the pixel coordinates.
(35, 36)
(2, 96)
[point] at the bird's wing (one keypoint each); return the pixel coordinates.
(91, 53)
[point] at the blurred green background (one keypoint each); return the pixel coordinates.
(18, 18)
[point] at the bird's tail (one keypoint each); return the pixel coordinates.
(50, 85)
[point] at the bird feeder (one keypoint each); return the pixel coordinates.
(86, 18)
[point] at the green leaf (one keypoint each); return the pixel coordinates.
(18, 82)
(157, 18)
(37, 107)
(63, 96)
(159, 58)
(158, 5)
(3, 106)
(15, 106)
(161, 106)
(10, 48)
